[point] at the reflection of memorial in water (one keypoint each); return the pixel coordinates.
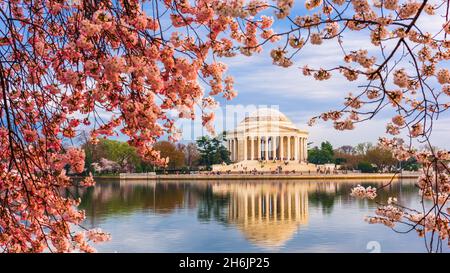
(269, 214)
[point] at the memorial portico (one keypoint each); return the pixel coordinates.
(267, 134)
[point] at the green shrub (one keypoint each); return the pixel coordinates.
(366, 167)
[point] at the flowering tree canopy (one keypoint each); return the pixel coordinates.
(70, 64)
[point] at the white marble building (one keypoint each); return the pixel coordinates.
(267, 135)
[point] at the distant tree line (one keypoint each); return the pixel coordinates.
(114, 156)
(365, 157)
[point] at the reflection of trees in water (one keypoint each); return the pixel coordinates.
(327, 194)
(113, 198)
(323, 200)
(268, 214)
(213, 199)
(212, 206)
(323, 195)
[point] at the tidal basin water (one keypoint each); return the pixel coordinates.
(244, 216)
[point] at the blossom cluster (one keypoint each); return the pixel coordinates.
(433, 185)
(112, 67)
(391, 212)
(387, 21)
(361, 192)
(69, 62)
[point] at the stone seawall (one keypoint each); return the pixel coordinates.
(193, 177)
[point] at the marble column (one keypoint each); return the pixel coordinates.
(266, 148)
(282, 147)
(274, 147)
(296, 148)
(258, 148)
(305, 149)
(245, 148)
(301, 149)
(252, 149)
(289, 148)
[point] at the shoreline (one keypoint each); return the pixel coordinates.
(384, 176)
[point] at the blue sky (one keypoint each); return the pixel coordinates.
(260, 83)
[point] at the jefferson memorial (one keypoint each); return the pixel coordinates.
(267, 140)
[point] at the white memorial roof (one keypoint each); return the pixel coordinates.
(266, 119)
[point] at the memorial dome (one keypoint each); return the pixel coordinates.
(266, 117)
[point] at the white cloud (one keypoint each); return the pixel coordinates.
(258, 81)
